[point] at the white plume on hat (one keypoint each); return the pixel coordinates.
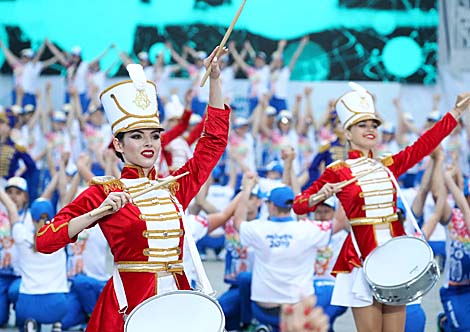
(356, 106)
(137, 75)
(132, 104)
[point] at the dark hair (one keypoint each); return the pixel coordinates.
(120, 138)
(282, 210)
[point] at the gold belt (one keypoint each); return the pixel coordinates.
(373, 220)
(161, 268)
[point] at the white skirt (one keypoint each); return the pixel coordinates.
(352, 289)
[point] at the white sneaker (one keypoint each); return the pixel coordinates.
(30, 325)
(57, 327)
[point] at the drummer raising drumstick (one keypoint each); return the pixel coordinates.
(145, 233)
(370, 202)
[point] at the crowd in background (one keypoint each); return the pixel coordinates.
(49, 152)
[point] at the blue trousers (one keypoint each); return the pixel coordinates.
(323, 292)
(278, 104)
(217, 243)
(6, 281)
(230, 303)
(456, 300)
(88, 291)
(44, 308)
(75, 313)
(267, 316)
(236, 303)
(415, 318)
(84, 101)
(28, 98)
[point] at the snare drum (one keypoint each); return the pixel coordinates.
(177, 311)
(401, 270)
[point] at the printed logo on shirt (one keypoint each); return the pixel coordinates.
(277, 241)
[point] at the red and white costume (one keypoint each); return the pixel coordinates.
(368, 202)
(146, 238)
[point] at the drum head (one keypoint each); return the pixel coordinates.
(397, 261)
(178, 311)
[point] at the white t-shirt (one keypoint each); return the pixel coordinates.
(198, 227)
(279, 82)
(40, 273)
(220, 197)
(259, 81)
(180, 152)
(284, 258)
(30, 78)
(95, 255)
(79, 78)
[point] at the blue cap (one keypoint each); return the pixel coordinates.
(274, 166)
(41, 207)
(282, 197)
(466, 187)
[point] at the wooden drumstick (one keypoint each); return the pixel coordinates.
(166, 181)
(463, 102)
(322, 196)
(222, 43)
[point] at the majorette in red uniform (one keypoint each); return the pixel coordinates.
(146, 238)
(371, 201)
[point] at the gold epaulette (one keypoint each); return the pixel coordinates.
(335, 165)
(174, 187)
(108, 182)
(387, 161)
(324, 147)
(20, 148)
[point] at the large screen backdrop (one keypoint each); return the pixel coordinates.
(374, 40)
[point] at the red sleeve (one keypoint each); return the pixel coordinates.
(54, 236)
(176, 131)
(208, 151)
(424, 145)
(195, 133)
(300, 205)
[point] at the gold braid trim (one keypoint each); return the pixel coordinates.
(52, 227)
(336, 165)
(387, 161)
(323, 148)
(109, 183)
(174, 187)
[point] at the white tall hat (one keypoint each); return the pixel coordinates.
(132, 104)
(356, 106)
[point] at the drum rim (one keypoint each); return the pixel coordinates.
(418, 276)
(411, 281)
(173, 293)
(418, 295)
